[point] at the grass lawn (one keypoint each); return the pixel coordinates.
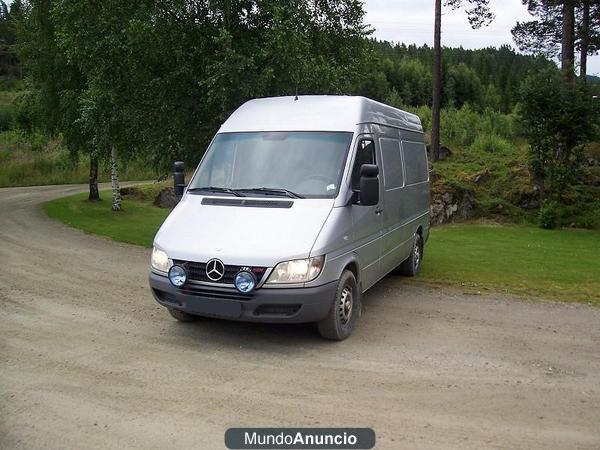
(531, 262)
(136, 224)
(554, 264)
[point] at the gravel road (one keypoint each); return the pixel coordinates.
(89, 360)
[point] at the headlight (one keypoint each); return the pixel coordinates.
(297, 271)
(160, 261)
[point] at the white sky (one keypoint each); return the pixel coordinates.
(411, 22)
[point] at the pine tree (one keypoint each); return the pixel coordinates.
(549, 32)
(478, 14)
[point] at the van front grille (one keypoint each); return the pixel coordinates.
(197, 272)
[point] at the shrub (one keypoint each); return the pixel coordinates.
(460, 127)
(558, 120)
(549, 215)
(6, 117)
(491, 143)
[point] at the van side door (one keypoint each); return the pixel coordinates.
(367, 221)
(396, 239)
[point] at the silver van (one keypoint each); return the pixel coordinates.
(299, 205)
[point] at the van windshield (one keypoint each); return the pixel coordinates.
(299, 164)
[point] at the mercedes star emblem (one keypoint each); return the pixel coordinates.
(215, 269)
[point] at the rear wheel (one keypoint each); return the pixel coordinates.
(412, 265)
(345, 308)
(182, 316)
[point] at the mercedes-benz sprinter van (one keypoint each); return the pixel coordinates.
(298, 206)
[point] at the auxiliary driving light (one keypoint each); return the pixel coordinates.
(245, 282)
(177, 276)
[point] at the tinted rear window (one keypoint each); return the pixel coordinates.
(415, 161)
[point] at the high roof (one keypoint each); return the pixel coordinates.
(316, 113)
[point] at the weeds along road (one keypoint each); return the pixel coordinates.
(89, 360)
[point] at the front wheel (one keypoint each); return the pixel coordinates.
(412, 265)
(345, 309)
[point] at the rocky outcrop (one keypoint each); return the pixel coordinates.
(449, 204)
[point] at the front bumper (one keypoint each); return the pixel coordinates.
(274, 305)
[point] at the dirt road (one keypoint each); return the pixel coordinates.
(88, 360)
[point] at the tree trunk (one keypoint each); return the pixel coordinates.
(567, 57)
(114, 179)
(437, 82)
(585, 36)
(94, 193)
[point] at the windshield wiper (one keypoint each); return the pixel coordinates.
(217, 189)
(275, 191)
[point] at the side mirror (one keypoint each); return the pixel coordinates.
(178, 179)
(369, 185)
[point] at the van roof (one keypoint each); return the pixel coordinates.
(316, 113)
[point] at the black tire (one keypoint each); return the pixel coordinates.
(412, 265)
(345, 309)
(182, 316)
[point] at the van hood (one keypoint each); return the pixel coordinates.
(242, 235)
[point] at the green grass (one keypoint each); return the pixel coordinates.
(554, 264)
(531, 262)
(136, 224)
(34, 160)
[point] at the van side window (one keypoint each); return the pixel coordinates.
(415, 160)
(365, 154)
(392, 163)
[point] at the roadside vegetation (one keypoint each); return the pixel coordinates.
(136, 223)
(31, 158)
(519, 260)
(27, 161)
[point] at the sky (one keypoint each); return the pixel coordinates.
(411, 22)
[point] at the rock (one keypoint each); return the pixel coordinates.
(531, 204)
(451, 205)
(529, 199)
(127, 191)
(445, 152)
(166, 198)
(437, 213)
(482, 177)
(434, 176)
(465, 207)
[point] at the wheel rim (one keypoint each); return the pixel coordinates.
(345, 306)
(417, 253)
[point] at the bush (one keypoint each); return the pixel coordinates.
(558, 120)
(6, 117)
(460, 127)
(491, 143)
(549, 215)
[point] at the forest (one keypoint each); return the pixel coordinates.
(147, 83)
